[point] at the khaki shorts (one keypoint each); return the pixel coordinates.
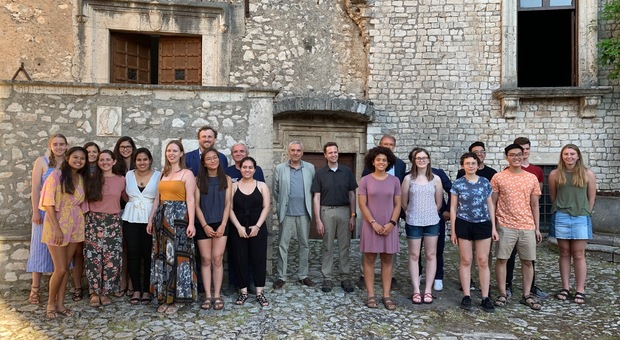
(524, 240)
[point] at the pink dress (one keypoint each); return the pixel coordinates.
(69, 209)
(380, 201)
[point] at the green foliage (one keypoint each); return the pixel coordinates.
(609, 48)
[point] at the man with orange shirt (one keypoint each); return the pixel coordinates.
(516, 193)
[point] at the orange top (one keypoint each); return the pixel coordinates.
(171, 190)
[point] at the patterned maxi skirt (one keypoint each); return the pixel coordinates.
(173, 275)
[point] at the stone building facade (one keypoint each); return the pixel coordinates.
(434, 73)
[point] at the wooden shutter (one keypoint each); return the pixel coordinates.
(180, 60)
(131, 59)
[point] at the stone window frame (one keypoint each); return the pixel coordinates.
(587, 90)
(212, 21)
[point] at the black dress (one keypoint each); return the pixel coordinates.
(251, 251)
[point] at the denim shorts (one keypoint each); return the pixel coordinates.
(416, 232)
(567, 227)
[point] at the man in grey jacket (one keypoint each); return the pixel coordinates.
(291, 188)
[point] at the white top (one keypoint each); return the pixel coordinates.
(422, 209)
(140, 204)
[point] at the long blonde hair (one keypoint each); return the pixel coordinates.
(167, 165)
(579, 171)
(52, 157)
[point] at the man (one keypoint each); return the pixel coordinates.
(334, 206)
(206, 139)
(516, 193)
(525, 143)
(291, 189)
(399, 170)
(483, 170)
(238, 151)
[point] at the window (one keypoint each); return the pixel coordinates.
(545, 200)
(546, 34)
(145, 59)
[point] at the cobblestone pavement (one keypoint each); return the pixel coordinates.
(300, 312)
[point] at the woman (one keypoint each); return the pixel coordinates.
(173, 224)
(103, 237)
(123, 151)
(572, 188)
(141, 186)
(212, 212)
(422, 204)
(379, 201)
(63, 198)
(250, 207)
(40, 261)
(472, 214)
(93, 155)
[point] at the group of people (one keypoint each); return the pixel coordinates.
(148, 234)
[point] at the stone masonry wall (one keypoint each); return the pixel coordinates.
(29, 114)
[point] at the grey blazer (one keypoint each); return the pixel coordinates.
(281, 187)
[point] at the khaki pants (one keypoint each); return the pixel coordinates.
(294, 225)
(336, 222)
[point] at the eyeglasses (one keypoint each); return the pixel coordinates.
(422, 159)
(125, 147)
(210, 159)
(515, 155)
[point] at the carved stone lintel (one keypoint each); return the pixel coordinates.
(509, 107)
(588, 106)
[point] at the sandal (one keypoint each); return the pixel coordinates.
(262, 300)
(206, 305)
(371, 302)
(563, 295)
(241, 299)
(146, 300)
(34, 298)
(428, 298)
(66, 312)
(172, 309)
(218, 304)
(388, 303)
(135, 300)
(105, 301)
(579, 298)
(416, 298)
(162, 308)
(51, 314)
(120, 293)
(501, 301)
(94, 300)
(77, 294)
(530, 302)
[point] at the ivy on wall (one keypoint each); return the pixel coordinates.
(609, 48)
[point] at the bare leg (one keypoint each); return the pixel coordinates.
(430, 249)
(369, 273)
(528, 272)
(465, 253)
(500, 275)
(482, 259)
(78, 266)
(205, 265)
(565, 262)
(218, 246)
(386, 273)
(578, 252)
(414, 267)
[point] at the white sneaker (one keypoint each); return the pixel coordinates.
(438, 285)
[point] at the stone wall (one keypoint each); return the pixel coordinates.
(151, 115)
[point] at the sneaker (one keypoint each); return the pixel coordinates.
(307, 282)
(466, 302)
(347, 286)
(487, 305)
(327, 286)
(438, 286)
(395, 285)
(361, 284)
(508, 292)
(536, 291)
(278, 284)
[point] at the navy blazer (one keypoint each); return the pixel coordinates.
(192, 160)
